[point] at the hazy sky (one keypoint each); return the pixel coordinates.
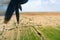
(40, 5)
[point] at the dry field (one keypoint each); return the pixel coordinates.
(43, 19)
(32, 26)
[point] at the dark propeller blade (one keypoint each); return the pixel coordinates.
(17, 13)
(9, 12)
(14, 5)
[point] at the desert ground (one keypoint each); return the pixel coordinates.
(32, 26)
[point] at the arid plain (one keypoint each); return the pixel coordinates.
(45, 23)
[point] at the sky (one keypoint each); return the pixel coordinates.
(39, 6)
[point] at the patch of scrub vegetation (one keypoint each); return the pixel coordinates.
(15, 35)
(58, 26)
(28, 34)
(51, 33)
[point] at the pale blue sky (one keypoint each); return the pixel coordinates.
(40, 6)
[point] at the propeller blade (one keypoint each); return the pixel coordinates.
(17, 13)
(9, 12)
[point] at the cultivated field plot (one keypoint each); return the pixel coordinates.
(32, 26)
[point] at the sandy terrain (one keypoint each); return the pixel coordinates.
(42, 18)
(29, 18)
(39, 18)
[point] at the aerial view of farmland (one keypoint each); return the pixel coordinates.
(32, 26)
